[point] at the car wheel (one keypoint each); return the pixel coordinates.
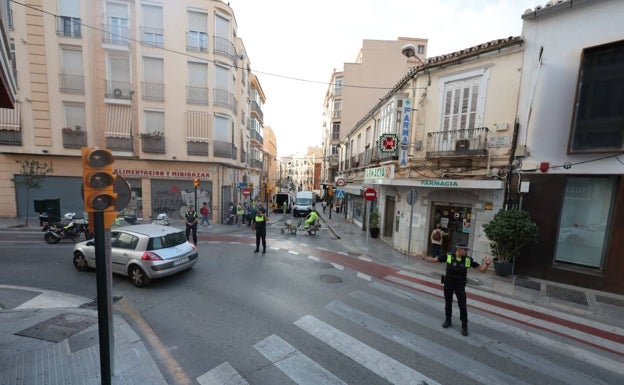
(138, 276)
(80, 262)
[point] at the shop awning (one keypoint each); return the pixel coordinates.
(355, 189)
(450, 183)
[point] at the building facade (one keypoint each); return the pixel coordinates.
(569, 161)
(356, 88)
(436, 149)
(166, 86)
(7, 67)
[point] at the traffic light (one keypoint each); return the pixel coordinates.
(330, 191)
(196, 182)
(98, 184)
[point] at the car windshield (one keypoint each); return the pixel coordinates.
(166, 241)
(304, 202)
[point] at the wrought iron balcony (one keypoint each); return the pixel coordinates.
(153, 37)
(11, 137)
(224, 149)
(197, 95)
(255, 136)
(116, 35)
(223, 47)
(197, 41)
(457, 143)
(119, 143)
(197, 148)
(153, 91)
(225, 99)
(255, 107)
(68, 26)
(118, 89)
(71, 84)
(154, 144)
(74, 138)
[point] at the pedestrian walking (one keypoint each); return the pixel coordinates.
(191, 219)
(436, 237)
(205, 212)
(284, 208)
(261, 219)
(324, 204)
(454, 281)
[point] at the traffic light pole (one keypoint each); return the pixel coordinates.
(104, 278)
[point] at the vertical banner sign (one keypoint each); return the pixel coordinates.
(404, 144)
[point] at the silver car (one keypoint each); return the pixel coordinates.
(142, 252)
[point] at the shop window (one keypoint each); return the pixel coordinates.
(582, 237)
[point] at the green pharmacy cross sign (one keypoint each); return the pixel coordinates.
(388, 143)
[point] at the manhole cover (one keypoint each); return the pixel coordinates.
(331, 278)
(58, 328)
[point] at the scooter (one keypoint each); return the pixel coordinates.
(70, 230)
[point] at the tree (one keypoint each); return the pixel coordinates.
(33, 172)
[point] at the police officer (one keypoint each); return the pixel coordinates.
(457, 265)
(191, 219)
(261, 218)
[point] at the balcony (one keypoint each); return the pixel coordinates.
(116, 35)
(119, 143)
(224, 47)
(225, 99)
(153, 37)
(255, 107)
(224, 150)
(153, 91)
(197, 41)
(458, 143)
(197, 95)
(71, 84)
(68, 26)
(153, 143)
(118, 90)
(74, 138)
(256, 137)
(10, 137)
(197, 148)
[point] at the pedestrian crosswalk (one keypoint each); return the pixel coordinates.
(391, 334)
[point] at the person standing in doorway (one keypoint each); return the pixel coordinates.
(191, 219)
(261, 220)
(437, 236)
(205, 211)
(457, 265)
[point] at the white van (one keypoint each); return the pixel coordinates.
(304, 203)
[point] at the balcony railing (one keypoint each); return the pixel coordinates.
(119, 144)
(197, 41)
(255, 107)
(71, 84)
(255, 135)
(74, 138)
(153, 37)
(224, 150)
(11, 137)
(223, 47)
(457, 143)
(153, 144)
(116, 35)
(197, 95)
(118, 89)
(225, 99)
(197, 148)
(68, 26)
(153, 91)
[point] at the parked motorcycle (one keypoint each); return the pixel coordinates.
(161, 219)
(71, 228)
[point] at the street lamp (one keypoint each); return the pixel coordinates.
(409, 50)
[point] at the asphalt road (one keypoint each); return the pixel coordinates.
(291, 316)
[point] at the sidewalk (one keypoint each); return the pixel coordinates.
(590, 304)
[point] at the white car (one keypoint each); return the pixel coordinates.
(142, 252)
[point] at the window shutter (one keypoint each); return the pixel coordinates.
(198, 22)
(152, 16)
(69, 8)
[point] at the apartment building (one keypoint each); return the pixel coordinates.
(436, 148)
(7, 69)
(303, 170)
(570, 158)
(165, 85)
(356, 88)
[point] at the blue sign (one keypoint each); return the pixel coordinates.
(241, 185)
(339, 193)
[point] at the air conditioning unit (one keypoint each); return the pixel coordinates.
(117, 93)
(462, 145)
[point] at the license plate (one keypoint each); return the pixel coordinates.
(180, 261)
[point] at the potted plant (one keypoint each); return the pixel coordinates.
(151, 135)
(71, 131)
(373, 223)
(509, 231)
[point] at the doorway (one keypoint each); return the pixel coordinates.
(389, 217)
(455, 220)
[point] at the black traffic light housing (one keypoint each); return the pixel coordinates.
(98, 184)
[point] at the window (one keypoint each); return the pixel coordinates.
(68, 21)
(71, 78)
(338, 86)
(598, 123)
(155, 122)
(420, 49)
(336, 131)
(152, 25)
(198, 83)
(153, 86)
(223, 45)
(337, 108)
(75, 116)
(198, 32)
(582, 238)
(118, 26)
(461, 98)
(222, 131)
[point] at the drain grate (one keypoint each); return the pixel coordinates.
(610, 300)
(58, 328)
(567, 294)
(528, 284)
(331, 278)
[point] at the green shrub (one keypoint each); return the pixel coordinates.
(508, 232)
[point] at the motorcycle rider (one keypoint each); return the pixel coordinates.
(311, 218)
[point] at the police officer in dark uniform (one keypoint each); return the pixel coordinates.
(191, 220)
(260, 219)
(457, 265)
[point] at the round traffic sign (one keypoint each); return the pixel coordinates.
(340, 182)
(246, 192)
(412, 197)
(370, 194)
